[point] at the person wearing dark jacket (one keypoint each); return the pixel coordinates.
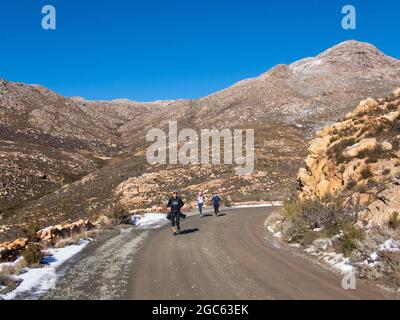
(216, 200)
(175, 203)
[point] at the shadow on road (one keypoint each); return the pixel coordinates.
(188, 231)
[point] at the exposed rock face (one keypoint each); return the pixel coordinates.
(358, 158)
(63, 159)
(49, 236)
(379, 211)
(52, 234)
(10, 250)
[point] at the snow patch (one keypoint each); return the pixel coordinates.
(388, 245)
(247, 206)
(336, 260)
(36, 281)
(149, 220)
(339, 262)
(272, 228)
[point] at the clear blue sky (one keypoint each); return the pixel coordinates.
(166, 49)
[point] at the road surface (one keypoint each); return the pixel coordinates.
(227, 257)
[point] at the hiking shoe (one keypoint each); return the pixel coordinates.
(175, 234)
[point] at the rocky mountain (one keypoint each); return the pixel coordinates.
(68, 158)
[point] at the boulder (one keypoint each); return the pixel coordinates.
(365, 144)
(380, 210)
(392, 116)
(386, 146)
(318, 146)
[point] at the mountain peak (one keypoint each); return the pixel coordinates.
(351, 47)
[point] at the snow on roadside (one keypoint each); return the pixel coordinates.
(335, 260)
(37, 281)
(260, 205)
(149, 220)
(272, 229)
(388, 245)
(339, 262)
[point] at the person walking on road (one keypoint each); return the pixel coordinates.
(200, 202)
(175, 203)
(216, 201)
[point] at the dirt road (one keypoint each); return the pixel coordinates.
(227, 257)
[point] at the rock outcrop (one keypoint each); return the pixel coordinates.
(10, 250)
(358, 158)
(52, 234)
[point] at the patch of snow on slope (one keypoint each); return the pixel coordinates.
(389, 245)
(272, 229)
(339, 262)
(335, 260)
(37, 281)
(149, 220)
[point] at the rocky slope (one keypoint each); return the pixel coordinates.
(64, 159)
(359, 158)
(347, 210)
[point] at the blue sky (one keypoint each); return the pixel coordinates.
(148, 50)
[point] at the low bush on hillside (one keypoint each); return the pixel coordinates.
(118, 214)
(366, 173)
(394, 221)
(329, 216)
(33, 254)
(29, 231)
(349, 237)
(337, 149)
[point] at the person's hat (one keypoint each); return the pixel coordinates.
(175, 191)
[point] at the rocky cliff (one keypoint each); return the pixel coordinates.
(359, 158)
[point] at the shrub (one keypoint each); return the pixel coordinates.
(309, 237)
(394, 221)
(332, 229)
(372, 183)
(291, 210)
(366, 173)
(298, 231)
(351, 185)
(336, 151)
(29, 231)
(351, 235)
(119, 214)
(228, 202)
(33, 254)
(318, 213)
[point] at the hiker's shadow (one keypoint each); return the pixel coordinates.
(189, 231)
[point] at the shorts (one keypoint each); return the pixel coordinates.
(175, 219)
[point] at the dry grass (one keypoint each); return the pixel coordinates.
(33, 254)
(394, 221)
(15, 268)
(390, 261)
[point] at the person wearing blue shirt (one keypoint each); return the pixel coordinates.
(216, 201)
